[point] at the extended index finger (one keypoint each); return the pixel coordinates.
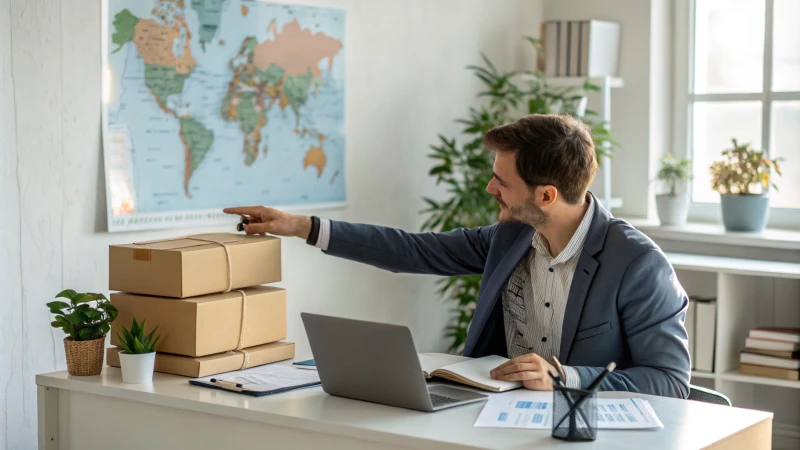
(247, 210)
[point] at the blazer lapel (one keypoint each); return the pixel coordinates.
(491, 291)
(582, 279)
(584, 274)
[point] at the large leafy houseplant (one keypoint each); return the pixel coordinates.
(465, 166)
(742, 178)
(86, 319)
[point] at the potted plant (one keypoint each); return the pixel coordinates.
(742, 178)
(138, 357)
(673, 206)
(86, 319)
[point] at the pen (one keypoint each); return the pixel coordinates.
(226, 383)
(560, 369)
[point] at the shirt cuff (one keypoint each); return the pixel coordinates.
(324, 234)
(573, 377)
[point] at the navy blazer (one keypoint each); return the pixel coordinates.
(625, 303)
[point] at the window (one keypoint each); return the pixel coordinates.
(738, 64)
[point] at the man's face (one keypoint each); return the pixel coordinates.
(517, 202)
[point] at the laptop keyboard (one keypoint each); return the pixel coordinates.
(441, 400)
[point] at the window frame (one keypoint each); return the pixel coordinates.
(682, 120)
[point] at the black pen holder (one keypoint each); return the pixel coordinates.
(572, 423)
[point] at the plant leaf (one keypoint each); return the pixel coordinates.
(68, 294)
(57, 305)
(138, 348)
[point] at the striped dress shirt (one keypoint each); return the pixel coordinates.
(536, 297)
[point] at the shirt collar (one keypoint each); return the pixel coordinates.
(575, 244)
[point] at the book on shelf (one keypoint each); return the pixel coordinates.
(705, 327)
(777, 353)
(769, 361)
(769, 372)
(580, 48)
(776, 334)
(468, 371)
(767, 344)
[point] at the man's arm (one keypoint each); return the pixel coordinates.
(652, 306)
(457, 252)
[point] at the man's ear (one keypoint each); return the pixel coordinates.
(546, 195)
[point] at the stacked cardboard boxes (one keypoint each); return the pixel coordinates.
(205, 294)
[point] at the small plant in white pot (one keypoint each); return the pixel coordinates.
(742, 178)
(138, 357)
(673, 206)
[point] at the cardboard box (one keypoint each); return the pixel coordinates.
(213, 364)
(185, 267)
(207, 324)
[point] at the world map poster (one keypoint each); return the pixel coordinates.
(216, 103)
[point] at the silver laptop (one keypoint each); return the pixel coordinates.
(376, 362)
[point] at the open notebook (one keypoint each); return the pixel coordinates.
(469, 371)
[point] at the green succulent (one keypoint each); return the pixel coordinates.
(86, 317)
(134, 341)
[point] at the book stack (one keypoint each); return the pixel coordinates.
(772, 352)
(206, 295)
(580, 48)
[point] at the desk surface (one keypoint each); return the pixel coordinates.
(687, 424)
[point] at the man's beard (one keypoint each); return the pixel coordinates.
(527, 213)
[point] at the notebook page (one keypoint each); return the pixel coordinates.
(478, 370)
(433, 361)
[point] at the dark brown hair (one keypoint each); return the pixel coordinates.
(552, 150)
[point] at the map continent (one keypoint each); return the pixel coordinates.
(191, 126)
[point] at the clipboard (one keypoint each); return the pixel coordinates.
(261, 381)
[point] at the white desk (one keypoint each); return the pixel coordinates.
(101, 412)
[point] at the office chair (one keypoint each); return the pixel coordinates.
(702, 394)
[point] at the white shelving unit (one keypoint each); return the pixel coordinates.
(606, 84)
(744, 301)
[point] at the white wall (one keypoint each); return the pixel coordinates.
(406, 82)
(639, 114)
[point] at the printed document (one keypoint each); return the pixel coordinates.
(534, 410)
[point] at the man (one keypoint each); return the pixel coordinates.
(561, 277)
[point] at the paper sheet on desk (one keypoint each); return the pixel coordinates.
(269, 377)
(534, 410)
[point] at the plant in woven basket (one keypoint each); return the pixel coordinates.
(86, 319)
(135, 342)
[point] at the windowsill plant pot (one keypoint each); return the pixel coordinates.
(138, 356)
(749, 212)
(137, 368)
(673, 206)
(86, 320)
(741, 170)
(672, 209)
